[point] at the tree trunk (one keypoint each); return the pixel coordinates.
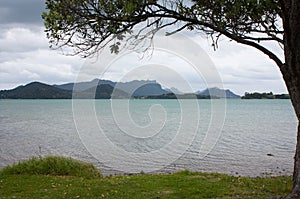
(291, 74)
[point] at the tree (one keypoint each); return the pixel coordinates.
(88, 25)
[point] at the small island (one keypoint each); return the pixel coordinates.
(269, 95)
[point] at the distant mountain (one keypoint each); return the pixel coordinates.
(136, 87)
(219, 93)
(151, 89)
(141, 88)
(81, 86)
(35, 90)
(105, 89)
(174, 90)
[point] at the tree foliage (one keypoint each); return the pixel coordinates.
(89, 25)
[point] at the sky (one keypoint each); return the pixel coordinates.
(25, 57)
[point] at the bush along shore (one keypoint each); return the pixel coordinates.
(59, 177)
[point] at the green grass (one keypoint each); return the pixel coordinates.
(52, 165)
(184, 184)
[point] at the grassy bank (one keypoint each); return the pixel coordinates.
(87, 182)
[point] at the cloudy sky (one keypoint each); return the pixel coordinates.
(25, 57)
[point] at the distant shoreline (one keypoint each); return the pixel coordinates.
(105, 89)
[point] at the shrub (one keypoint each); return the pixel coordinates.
(53, 165)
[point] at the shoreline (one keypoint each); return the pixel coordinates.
(36, 179)
(169, 170)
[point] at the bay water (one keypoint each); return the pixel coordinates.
(237, 137)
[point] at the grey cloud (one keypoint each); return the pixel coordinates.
(42, 65)
(21, 11)
(19, 39)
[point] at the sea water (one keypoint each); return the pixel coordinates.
(238, 137)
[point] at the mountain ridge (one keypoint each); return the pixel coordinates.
(106, 89)
(35, 90)
(217, 92)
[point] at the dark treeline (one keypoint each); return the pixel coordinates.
(269, 95)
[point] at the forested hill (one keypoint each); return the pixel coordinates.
(105, 89)
(36, 90)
